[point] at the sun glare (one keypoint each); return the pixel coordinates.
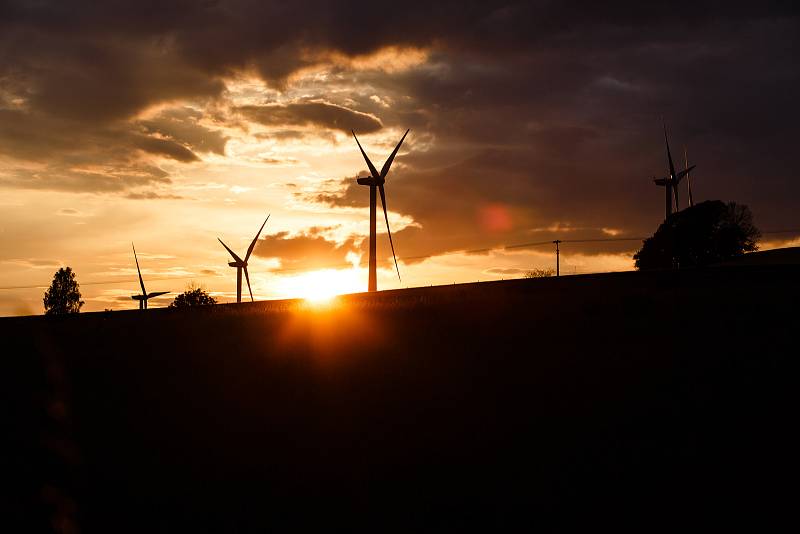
(319, 287)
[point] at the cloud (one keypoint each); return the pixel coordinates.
(280, 161)
(151, 195)
(35, 263)
(60, 154)
(508, 271)
(107, 178)
(182, 125)
(321, 114)
(165, 147)
(305, 251)
(458, 208)
(522, 113)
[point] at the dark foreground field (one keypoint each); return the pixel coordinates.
(646, 402)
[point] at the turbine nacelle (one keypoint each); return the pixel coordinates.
(369, 180)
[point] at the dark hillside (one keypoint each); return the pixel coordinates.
(642, 401)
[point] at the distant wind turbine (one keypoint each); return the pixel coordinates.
(377, 180)
(670, 183)
(241, 264)
(145, 296)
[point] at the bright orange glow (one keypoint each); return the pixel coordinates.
(319, 287)
(335, 334)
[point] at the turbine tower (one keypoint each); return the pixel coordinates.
(375, 181)
(241, 264)
(145, 295)
(670, 183)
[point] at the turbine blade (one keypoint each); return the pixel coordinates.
(253, 244)
(156, 294)
(235, 257)
(669, 154)
(247, 276)
(141, 282)
(386, 216)
(372, 168)
(683, 173)
(685, 158)
(385, 169)
(688, 178)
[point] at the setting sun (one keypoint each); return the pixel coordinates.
(321, 286)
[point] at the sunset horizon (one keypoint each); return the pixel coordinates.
(527, 124)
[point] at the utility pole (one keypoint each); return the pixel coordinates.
(558, 267)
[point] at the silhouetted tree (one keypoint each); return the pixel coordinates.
(63, 296)
(194, 296)
(540, 273)
(709, 232)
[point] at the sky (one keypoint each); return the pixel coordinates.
(172, 124)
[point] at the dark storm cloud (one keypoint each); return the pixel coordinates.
(306, 251)
(321, 114)
(104, 60)
(569, 133)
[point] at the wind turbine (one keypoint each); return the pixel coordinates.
(670, 183)
(376, 181)
(241, 264)
(145, 295)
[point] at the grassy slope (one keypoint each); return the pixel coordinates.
(554, 402)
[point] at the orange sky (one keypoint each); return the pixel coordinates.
(120, 130)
